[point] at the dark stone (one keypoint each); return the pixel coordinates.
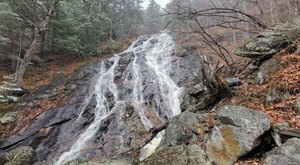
(234, 81)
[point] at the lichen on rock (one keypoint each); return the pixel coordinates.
(237, 132)
(19, 156)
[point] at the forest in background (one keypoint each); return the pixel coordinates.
(77, 27)
(94, 27)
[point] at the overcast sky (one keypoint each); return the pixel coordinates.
(162, 3)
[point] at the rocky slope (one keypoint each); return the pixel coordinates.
(240, 127)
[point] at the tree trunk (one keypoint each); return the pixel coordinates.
(27, 57)
(43, 42)
(34, 45)
(112, 21)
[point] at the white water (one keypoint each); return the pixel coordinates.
(158, 52)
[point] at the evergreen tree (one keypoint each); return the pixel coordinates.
(153, 18)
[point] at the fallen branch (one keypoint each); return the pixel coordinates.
(154, 131)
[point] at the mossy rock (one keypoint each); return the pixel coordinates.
(19, 156)
(270, 42)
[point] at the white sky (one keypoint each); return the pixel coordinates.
(162, 3)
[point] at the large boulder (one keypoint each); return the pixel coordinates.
(268, 43)
(264, 45)
(238, 131)
(286, 154)
(183, 129)
(182, 154)
(19, 156)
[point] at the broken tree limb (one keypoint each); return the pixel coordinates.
(154, 131)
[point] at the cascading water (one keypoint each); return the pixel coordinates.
(148, 76)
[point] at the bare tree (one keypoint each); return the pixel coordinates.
(39, 29)
(220, 17)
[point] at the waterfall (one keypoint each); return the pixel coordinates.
(151, 63)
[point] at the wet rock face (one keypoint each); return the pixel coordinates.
(135, 92)
(201, 87)
(198, 97)
(237, 132)
(181, 154)
(19, 156)
(187, 70)
(123, 130)
(183, 129)
(288, 153)
(58, 123)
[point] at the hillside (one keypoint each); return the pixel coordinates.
(108, 82)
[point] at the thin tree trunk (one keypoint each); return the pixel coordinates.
(19, 57)
(26, 59)
(34, 45)
(43, 41)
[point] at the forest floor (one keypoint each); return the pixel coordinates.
(253, 95)
(55, 66)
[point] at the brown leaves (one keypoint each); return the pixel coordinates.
(286, 80)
